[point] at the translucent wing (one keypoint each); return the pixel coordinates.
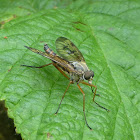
(67, 50)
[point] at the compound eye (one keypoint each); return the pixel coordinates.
(88, 75)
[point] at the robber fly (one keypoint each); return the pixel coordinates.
(70, 62)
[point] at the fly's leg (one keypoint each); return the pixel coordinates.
(60, 71)
(95, 95)
(63, 96)
(93, 92)
(84, 106)
(91, 88)
(102, 107)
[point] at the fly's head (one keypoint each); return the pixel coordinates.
(88, 75)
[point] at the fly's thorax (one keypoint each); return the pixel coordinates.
(87, 75)
(76, 77)
(83, 72)
(80, 66)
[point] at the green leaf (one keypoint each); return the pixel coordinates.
(9, 10)
(108, 38)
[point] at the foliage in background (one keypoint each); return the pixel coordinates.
(107, 33)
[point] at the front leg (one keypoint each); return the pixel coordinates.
(95, 94)
(90, 86)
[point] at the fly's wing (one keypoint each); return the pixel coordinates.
(67, 50)
(55, 58)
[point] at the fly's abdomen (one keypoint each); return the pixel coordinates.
(48, 50)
